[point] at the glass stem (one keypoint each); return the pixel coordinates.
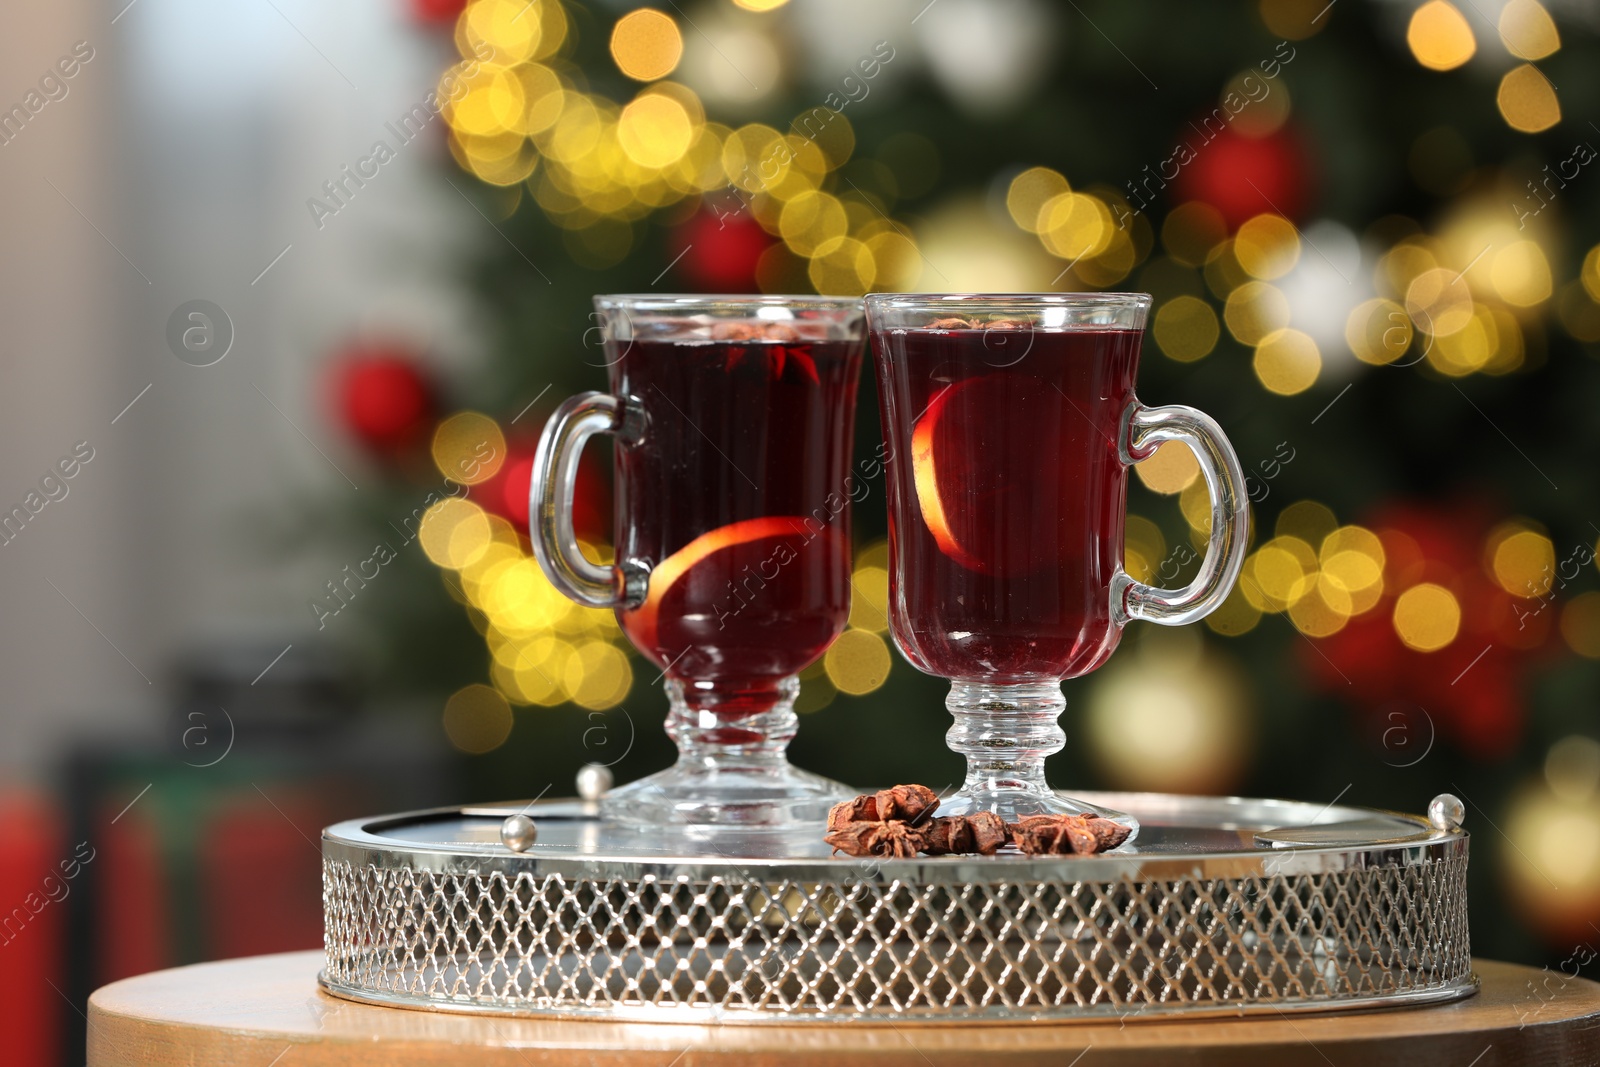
(1005, 732)
(722, 726)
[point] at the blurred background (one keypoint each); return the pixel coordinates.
(274, 268)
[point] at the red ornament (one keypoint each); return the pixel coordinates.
(720, 253)
(506, 494)
(1472, 689)
(1246, 176)
(383, 397)
(437, 12)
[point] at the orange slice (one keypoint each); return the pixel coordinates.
(1006, 473)
(925, 473)
(741, 544)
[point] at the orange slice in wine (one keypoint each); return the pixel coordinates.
(1002, 465)
(738, 539)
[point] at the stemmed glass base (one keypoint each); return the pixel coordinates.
(1005, 732)
(731, 771)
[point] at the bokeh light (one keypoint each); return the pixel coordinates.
(1186, 328)
(1440, 37)
(1427, 617)
(1172, 468)
(1527, 30)
(469, 448)
(646, 44)
(1267, 246)
(858, 662)
(1287, 362)
(1527, 100)
(477, 719)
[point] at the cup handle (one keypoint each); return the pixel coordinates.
(550, 494)
(1142, 430)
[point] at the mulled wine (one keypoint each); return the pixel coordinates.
(1011, 422)
(733, 418)
(736, 492)
(1008, 547)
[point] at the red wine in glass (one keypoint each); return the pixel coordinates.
(1016, 530)
(737, 490)
(733, 418)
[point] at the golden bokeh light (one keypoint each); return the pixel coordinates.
(1316, 615)
(1267, 246)
(1520, 274)
(597, 675)
(1523, 563)
(1440, 37)
(1075, 226)
(654, 130)
(1527, 100)
(1572, 767)
(760, 5)
(1295, 20)
(646, 44)
(1590, 273)
(1287, 362)
(812, 220)
(1171, 469)
(1308, 520)
(1439, 301)
(869, 599)
(1254, 310)
(842, 266)
(1186, 328)
(1143, 548)
(477, 719)
(1468, 349)
(1527, 30)
(1191, 230)
(1236, 616)
(1427, 617)
(858, 662)
(1171, 717)
(1580, 624)
(1378, 331)
(1030, 191)
(454, 533)
(513, 29)
(468, 448)
(1352, 559)
(1284, 570)
(487, 100)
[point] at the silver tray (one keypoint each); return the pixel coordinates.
(1221, 906)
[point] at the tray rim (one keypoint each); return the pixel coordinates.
(362, 843)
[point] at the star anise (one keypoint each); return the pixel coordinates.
(982, 832)
(950, 324)
(1065, 835)
(896, 839)
(908, 802)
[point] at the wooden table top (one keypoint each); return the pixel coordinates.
(269, 1010)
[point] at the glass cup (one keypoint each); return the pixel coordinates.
(733, 418)
(1011, 423)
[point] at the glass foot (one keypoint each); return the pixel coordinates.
(1013, 804)
(1005, 732)
(781, 797)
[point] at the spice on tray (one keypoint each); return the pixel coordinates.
(899, 822)
(982, 832)
(1064, 835)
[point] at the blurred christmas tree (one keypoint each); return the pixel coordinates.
(1367, 230)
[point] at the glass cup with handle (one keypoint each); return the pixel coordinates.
(1011, 422)
(732, 418)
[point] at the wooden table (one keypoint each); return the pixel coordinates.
(268, 1010)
